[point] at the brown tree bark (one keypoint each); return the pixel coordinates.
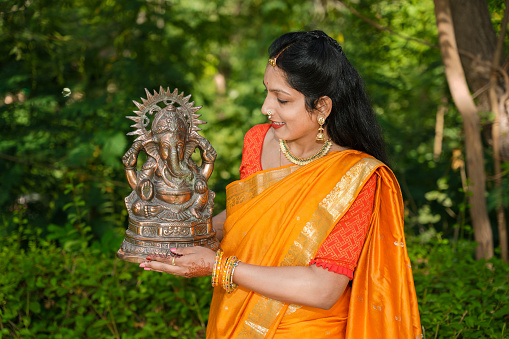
(498, 109)
(471, 126)
(481, 58)
(477, 41)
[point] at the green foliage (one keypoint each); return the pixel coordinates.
(48, 292)
(459, 297)
(70, 70)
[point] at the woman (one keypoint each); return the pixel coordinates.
(315, 207)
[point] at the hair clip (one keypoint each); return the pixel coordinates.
(272, 61)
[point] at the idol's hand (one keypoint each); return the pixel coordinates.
(209, 154)
(186, 262)
(130, 158)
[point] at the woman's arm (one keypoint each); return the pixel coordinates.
(302, 285)
(308, 286)
(217, 223)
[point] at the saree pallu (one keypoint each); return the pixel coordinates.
(280, 217)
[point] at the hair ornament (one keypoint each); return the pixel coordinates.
(272, 61)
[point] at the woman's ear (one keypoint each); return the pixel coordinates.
(324, 106)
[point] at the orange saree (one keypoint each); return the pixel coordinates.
(280, 217)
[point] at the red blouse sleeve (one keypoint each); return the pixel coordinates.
(252, 150)
(340, 251)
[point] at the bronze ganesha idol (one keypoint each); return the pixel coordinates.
(170, 205)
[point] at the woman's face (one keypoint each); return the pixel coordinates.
(290, 118)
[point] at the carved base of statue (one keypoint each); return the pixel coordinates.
(145, 238)
(170, 205)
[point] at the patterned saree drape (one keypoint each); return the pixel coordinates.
(280, 217)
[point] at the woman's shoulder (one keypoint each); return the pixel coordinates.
(257, 130)
(252, 150)
(255, 136)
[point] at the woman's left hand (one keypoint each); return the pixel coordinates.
(186, 262)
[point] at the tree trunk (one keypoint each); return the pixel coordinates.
(497, 108)
(477, 41)
(481, 57)
(471, 125)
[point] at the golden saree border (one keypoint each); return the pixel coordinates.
(241, 191)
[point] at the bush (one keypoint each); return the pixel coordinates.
(49, 293)
(459, 297)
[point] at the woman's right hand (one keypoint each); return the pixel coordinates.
(188, 262)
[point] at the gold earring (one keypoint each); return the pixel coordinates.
(269, 113)
(320, 136)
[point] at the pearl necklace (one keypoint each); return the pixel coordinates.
(304, 161)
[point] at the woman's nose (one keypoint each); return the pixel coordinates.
(266, 109)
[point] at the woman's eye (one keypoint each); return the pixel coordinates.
(282, 101)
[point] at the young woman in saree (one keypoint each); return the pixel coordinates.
(312, 240)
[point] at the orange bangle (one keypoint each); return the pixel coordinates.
(217, 267)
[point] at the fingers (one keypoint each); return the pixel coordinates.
(166, 262)
(188, 262)
(183, 250)
(160, 267)
(179, 252)
(165, 259)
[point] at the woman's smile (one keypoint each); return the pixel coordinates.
(276, 124)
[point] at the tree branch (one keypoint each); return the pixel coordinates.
(386, 29)
(422, 42)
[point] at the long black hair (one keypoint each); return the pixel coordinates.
(315, 65)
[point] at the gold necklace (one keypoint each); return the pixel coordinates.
(303, 161)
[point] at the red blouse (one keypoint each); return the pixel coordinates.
(340, 251)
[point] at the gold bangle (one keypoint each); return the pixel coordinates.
(232, 286)
(226, 271)
(217, 267)
(228, 284)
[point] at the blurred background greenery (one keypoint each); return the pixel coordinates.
(69, 71)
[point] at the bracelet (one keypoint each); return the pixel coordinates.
(217, 267)
(225, 272)
(229, 268)
(232, 285)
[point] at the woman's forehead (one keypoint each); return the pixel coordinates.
(275, 80)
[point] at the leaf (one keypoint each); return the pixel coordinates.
(113, 149)
(35, 307)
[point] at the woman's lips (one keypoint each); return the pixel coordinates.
(277, 125)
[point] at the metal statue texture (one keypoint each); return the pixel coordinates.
(170, 205)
